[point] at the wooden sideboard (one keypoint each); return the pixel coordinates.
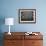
(20, 39)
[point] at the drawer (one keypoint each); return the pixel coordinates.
(34, 37)
(37, 43)
(16, 37)
(13, 43)
(33, 43)
(9, 43)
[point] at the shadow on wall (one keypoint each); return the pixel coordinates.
(2, 21)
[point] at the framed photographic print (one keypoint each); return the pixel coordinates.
(27, 15)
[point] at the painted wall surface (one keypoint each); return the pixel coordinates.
(9, 8)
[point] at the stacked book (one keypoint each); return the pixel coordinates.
(30, 33)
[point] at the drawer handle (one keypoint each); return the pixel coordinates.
(33, 42)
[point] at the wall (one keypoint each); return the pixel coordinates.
(9, 8)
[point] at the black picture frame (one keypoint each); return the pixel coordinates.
(27, 15)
